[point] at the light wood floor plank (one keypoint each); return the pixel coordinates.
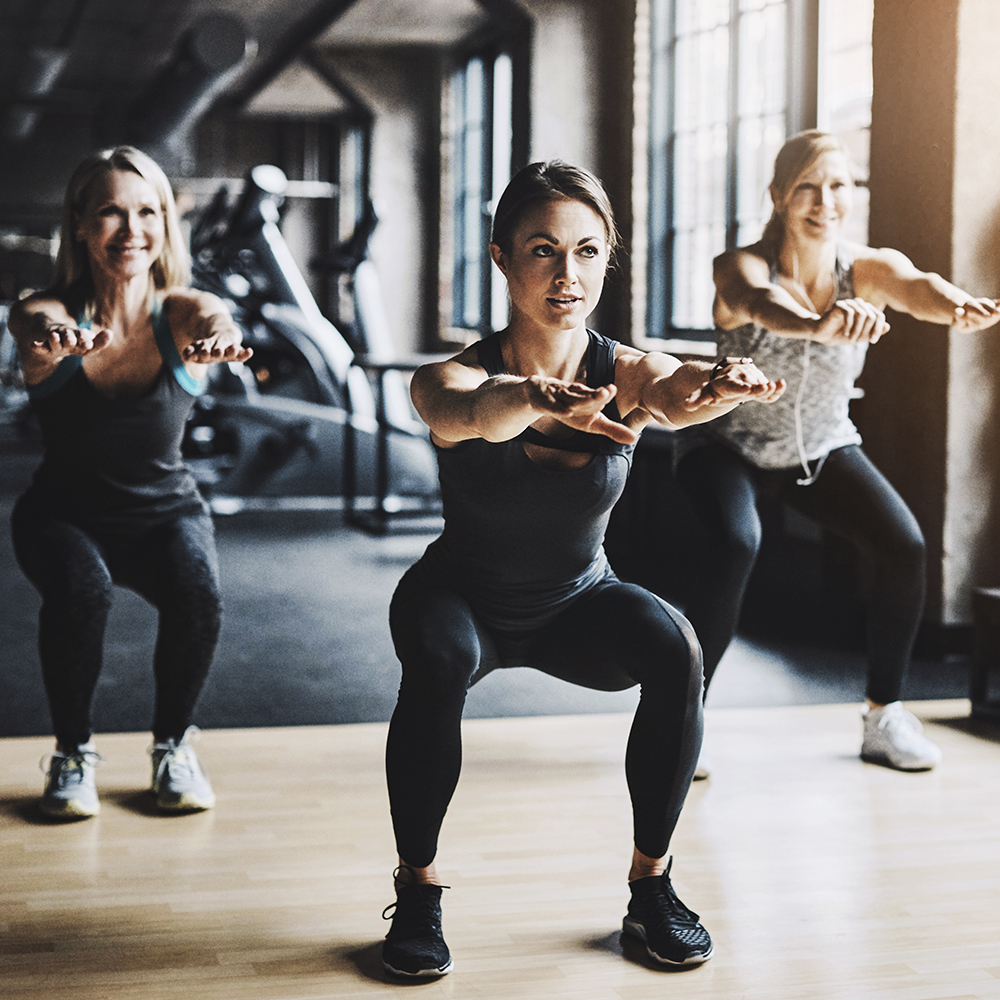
(819, 877)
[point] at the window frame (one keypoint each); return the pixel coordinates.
(512, 43)
(801, 86)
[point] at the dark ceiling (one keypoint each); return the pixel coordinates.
(125, 60)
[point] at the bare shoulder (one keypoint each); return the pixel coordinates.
(187, 309)
(878, 272)
(461, 371)
(635, 372)
(630, 362)
(750, 258)
(183, 303)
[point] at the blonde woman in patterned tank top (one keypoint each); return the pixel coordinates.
(806, 305)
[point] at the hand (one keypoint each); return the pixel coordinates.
(578, 406)
(737, 380)
(218, 340)
(60, 340)
(852, 321)
(976, 314)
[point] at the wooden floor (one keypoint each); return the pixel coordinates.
(817, 875)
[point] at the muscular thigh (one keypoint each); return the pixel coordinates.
(170, 563)
(437, 638)
(854, 500)
(614, 637)
(60, 559)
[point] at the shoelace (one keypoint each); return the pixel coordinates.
(894, 715)
(177, 755)
(667, 902)
(419, 908)
(71, 761)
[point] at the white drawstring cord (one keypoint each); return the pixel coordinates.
(810, 476)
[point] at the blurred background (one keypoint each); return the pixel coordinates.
(337, 162)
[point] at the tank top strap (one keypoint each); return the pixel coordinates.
(600, 359)
(171, 356)
(843, 269)
(65, 370)
(490, 355)
(845, 272)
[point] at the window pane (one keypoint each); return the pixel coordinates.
(700, 15)
(469, 235)
(762, 61)
(503, 103)
(846, 89)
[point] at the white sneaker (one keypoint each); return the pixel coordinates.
(703, 769)
(179, 781)
(70, 791)
(894, 737)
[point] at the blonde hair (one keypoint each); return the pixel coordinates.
(794, 158)
(73, 279)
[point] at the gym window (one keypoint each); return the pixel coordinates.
(478, 155)
(727, 81)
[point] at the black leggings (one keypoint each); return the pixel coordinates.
(173, 566)
(611, 638)
(850, 498)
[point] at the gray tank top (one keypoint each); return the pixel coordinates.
(811, 419)
(522, 542)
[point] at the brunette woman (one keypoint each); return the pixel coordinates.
(534, 429)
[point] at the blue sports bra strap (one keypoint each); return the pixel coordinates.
(65, 370)
(171, 356)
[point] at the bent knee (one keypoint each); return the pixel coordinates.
(672, 658)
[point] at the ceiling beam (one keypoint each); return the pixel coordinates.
(287, 48)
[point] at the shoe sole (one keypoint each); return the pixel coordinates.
(870, 758)
(636, 930)
(185, 805)
(71, 810)
(422, 973)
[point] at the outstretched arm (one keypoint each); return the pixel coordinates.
(744, 293)
(45, 333)
(890, 276)
(203, 328)
(658, 387)
(458, 401)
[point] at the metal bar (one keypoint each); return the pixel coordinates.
(288, 47)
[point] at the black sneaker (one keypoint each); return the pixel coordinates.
(670, 930)
(415, 945)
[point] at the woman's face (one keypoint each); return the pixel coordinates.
(820, 200)
(556, 265)
(121, 225)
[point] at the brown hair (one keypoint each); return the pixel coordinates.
(550, 180)
(73, 279)
(797, 155)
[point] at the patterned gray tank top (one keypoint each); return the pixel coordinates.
(811, 419)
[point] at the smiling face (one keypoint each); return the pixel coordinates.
(819, 200)
(121, 225)
(556, 264)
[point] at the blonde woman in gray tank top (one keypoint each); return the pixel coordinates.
(806, 305)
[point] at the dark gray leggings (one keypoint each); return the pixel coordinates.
(611, 638)
(850, 498)
(172, 565)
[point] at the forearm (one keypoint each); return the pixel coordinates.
(496, 410)
(665, 397)
(31, 318)
(30, 322)
(778, 312)
(933, 300)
